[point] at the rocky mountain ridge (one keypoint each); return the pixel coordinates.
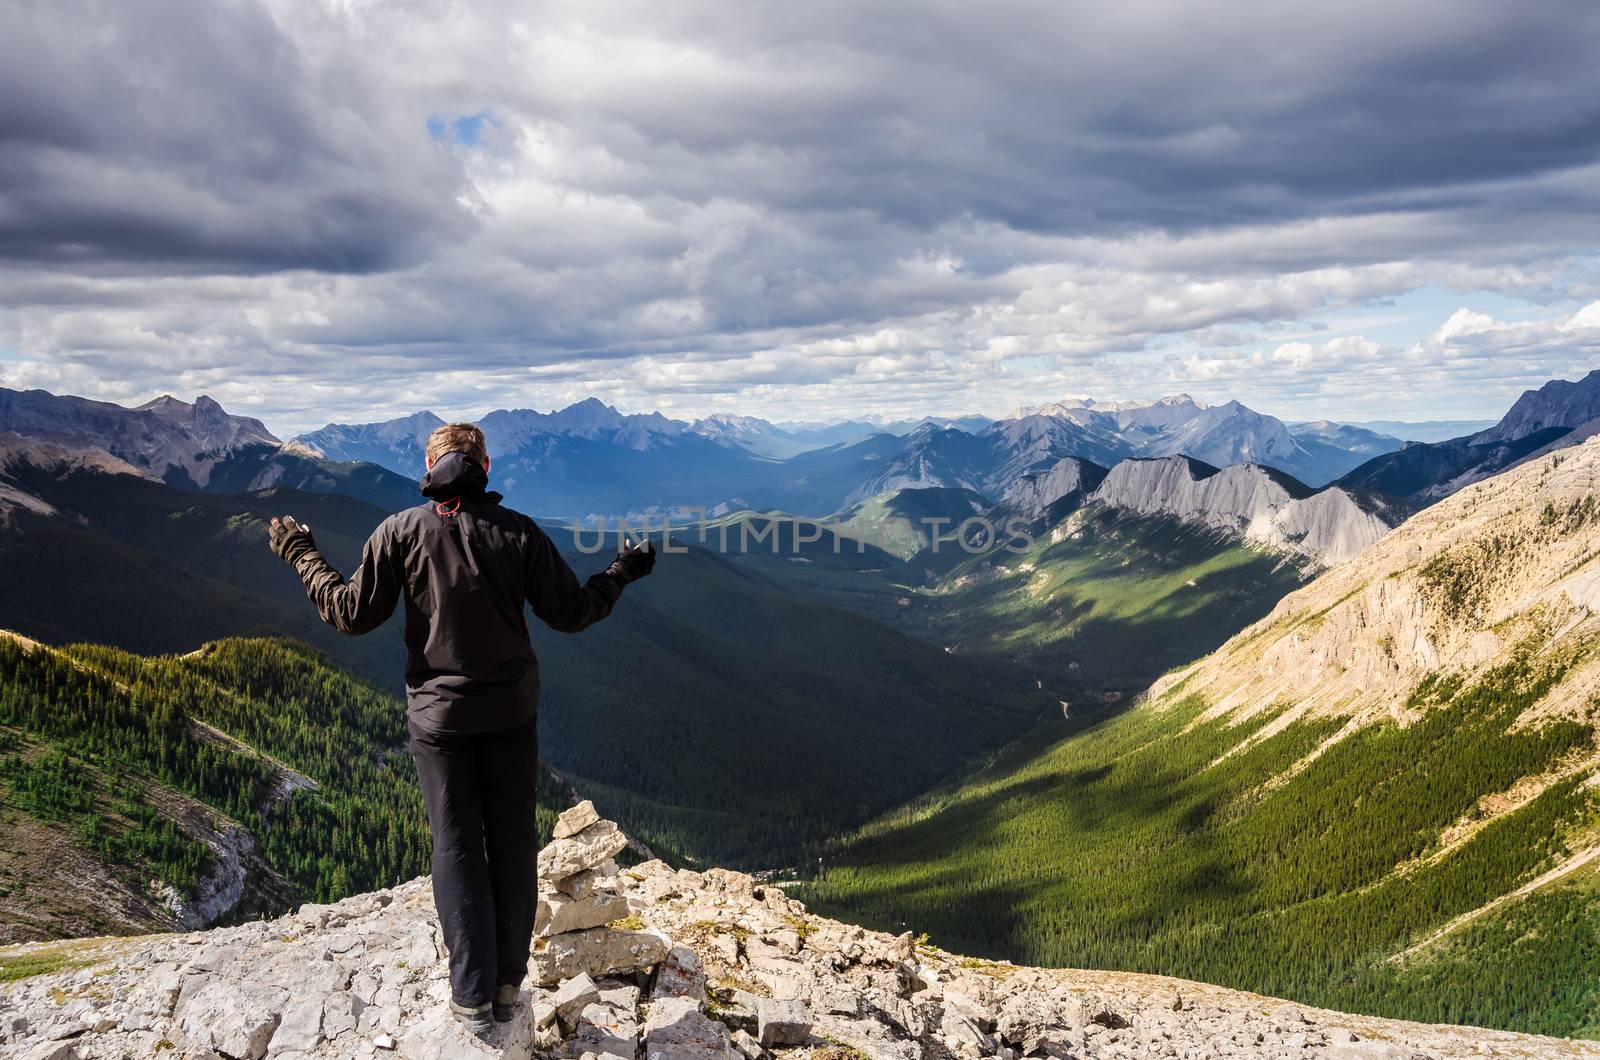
(164, 438)
(1246, 502)
(198, 446)
(1459, 588)
(1558, 414)
(1253, 503)
(1068, 480)
(710, 965)
(1223, 434)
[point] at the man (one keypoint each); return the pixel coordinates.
(466, 566)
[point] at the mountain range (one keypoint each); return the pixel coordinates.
(91, 550)
(815, 470)
(1039, 463)
(589, 458)
(196, 446)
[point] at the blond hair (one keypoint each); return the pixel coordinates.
(457, 438)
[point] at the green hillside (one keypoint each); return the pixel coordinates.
(151, 568)
(1159, 842)
(1098, 601)
(132, 762)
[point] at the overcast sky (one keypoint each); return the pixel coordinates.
(351, 209)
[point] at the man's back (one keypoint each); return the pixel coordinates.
(466, 566)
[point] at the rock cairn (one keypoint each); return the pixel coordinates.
(650, 963)
(600, 960)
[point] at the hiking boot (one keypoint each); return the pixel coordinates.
(505, 1000)
(476, 1017)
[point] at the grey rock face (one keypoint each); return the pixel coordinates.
(157, 437)
(1067, 479)
(1559, 403)
(1255, 504)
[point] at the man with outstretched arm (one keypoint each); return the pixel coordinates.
(466, 566)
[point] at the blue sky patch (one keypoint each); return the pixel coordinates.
(463, 130)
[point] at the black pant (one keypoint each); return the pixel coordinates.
(479, 790)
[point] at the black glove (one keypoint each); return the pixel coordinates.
(633, 562)
(288, 539)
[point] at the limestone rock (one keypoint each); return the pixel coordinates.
(558, 914)
(300, 1029)
(746, 1044)
(971, 1008)
(604, 1030)
(584, 883)
(575, 819)
(365, 978)
(574, 995)
(574, 854)
(782, 1022)
(232, 1018)
(680, 975)
(677, 1030)
(598, 953)
(620, 995)
(1288, 1016)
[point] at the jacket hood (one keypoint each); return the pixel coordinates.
(456, 475)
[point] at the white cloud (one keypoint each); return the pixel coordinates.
(798, 214)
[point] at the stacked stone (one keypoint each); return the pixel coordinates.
(574, 932)
(600, 969)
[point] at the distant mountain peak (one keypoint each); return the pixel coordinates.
(1555, 415)
(1558, 403)
(1071, 404)
(164, 437)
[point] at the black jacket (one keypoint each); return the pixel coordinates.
(465, 566)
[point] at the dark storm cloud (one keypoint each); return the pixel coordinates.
(200, 133)
(1083, 118)
(192, 135)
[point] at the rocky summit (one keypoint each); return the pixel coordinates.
(647, 962)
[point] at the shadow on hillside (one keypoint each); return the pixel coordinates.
(952, 872)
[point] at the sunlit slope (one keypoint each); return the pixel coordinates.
(905, 521)
(1380, 797)
(1105, 600)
